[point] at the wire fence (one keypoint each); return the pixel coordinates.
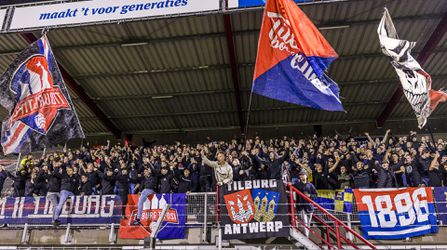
(201, 208)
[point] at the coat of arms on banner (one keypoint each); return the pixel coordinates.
(240, 205)
(266, 204)
(38, 99)
(244, 208)
(254, 209)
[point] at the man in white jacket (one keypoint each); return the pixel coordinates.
(222, 170)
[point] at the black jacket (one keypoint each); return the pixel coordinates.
(86, 188)
(185, 184)
(19, 183)
(54, 181)
(320, 180)
(107, 183)
(69, 183)
(30, 188)
(164, 183)
(149, 182)
(385, 178)
(122, 182)
(3, 176)
(274, 166)
(362, 179)
(423, 166)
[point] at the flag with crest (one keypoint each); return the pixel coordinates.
(41, 112)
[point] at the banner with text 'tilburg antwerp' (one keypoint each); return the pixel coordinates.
(254, 209)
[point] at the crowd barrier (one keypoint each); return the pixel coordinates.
(200, 204)
(201, 209)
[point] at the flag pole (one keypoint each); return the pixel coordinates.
(44, 151)
(432, 137)
(248, 115)
(18, 161)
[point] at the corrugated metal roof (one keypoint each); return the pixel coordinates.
(188, 58)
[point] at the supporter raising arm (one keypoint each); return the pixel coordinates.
(222, 170)
(274, 164)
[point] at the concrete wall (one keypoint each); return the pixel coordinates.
(100, 237)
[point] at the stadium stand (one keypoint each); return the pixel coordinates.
(167, 106)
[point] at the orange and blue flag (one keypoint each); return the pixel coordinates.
(292, 58)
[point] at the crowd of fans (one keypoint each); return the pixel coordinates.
(328, 163)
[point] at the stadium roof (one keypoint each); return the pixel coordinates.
(184, 74)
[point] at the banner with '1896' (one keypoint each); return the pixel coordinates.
(387, 214)
(254, 209)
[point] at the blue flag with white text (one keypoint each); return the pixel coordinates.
(292, 59)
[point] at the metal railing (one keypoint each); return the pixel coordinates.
(333, 228)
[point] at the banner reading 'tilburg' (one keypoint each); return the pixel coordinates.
(254, 209)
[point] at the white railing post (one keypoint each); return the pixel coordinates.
(349, 234)
(25, 234)
(205, 218)
(67, 238)
(112, 235)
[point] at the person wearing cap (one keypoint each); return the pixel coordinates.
(304, 186)
(310, 191)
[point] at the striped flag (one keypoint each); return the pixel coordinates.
(292, 58)
(41, 112)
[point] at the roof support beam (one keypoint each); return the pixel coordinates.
(276, 125)
(227, 91)
(217, 67)
(234, 69)
(227, 111)
(80, 92)
(422, 58)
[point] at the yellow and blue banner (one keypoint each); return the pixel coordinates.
(336, 200)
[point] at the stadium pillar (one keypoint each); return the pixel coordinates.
(234, 70)
(318, 130)
(422, 58)
(80, 92)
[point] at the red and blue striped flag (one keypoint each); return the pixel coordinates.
(292, 58)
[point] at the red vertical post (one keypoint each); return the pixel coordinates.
(337, 233)
(328, 235)
(292, 206)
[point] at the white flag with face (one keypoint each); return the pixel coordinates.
(416, 83)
